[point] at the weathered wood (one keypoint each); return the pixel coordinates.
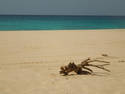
(82, 67)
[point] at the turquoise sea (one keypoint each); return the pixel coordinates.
(30, 22)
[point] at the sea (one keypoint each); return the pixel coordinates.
(54, 22)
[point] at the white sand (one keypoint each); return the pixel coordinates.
(30, 61)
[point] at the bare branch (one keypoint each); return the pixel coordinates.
(99, 67)
(79, 67)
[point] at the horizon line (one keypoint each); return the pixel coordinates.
(57, 15)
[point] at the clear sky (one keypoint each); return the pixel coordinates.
(63, 7)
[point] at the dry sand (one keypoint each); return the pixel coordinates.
(30, 61)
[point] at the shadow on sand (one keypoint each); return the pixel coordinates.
(89, 73)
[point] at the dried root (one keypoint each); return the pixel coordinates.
(65, 70)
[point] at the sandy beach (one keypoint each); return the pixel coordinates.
(30, 61)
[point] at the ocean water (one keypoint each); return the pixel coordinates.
(21, 22)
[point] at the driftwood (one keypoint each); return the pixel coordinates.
(65, 70)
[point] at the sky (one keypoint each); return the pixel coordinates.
(63, 7)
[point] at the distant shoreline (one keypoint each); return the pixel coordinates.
(63, 30)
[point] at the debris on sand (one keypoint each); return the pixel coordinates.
(82, 67)
(105, 55)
